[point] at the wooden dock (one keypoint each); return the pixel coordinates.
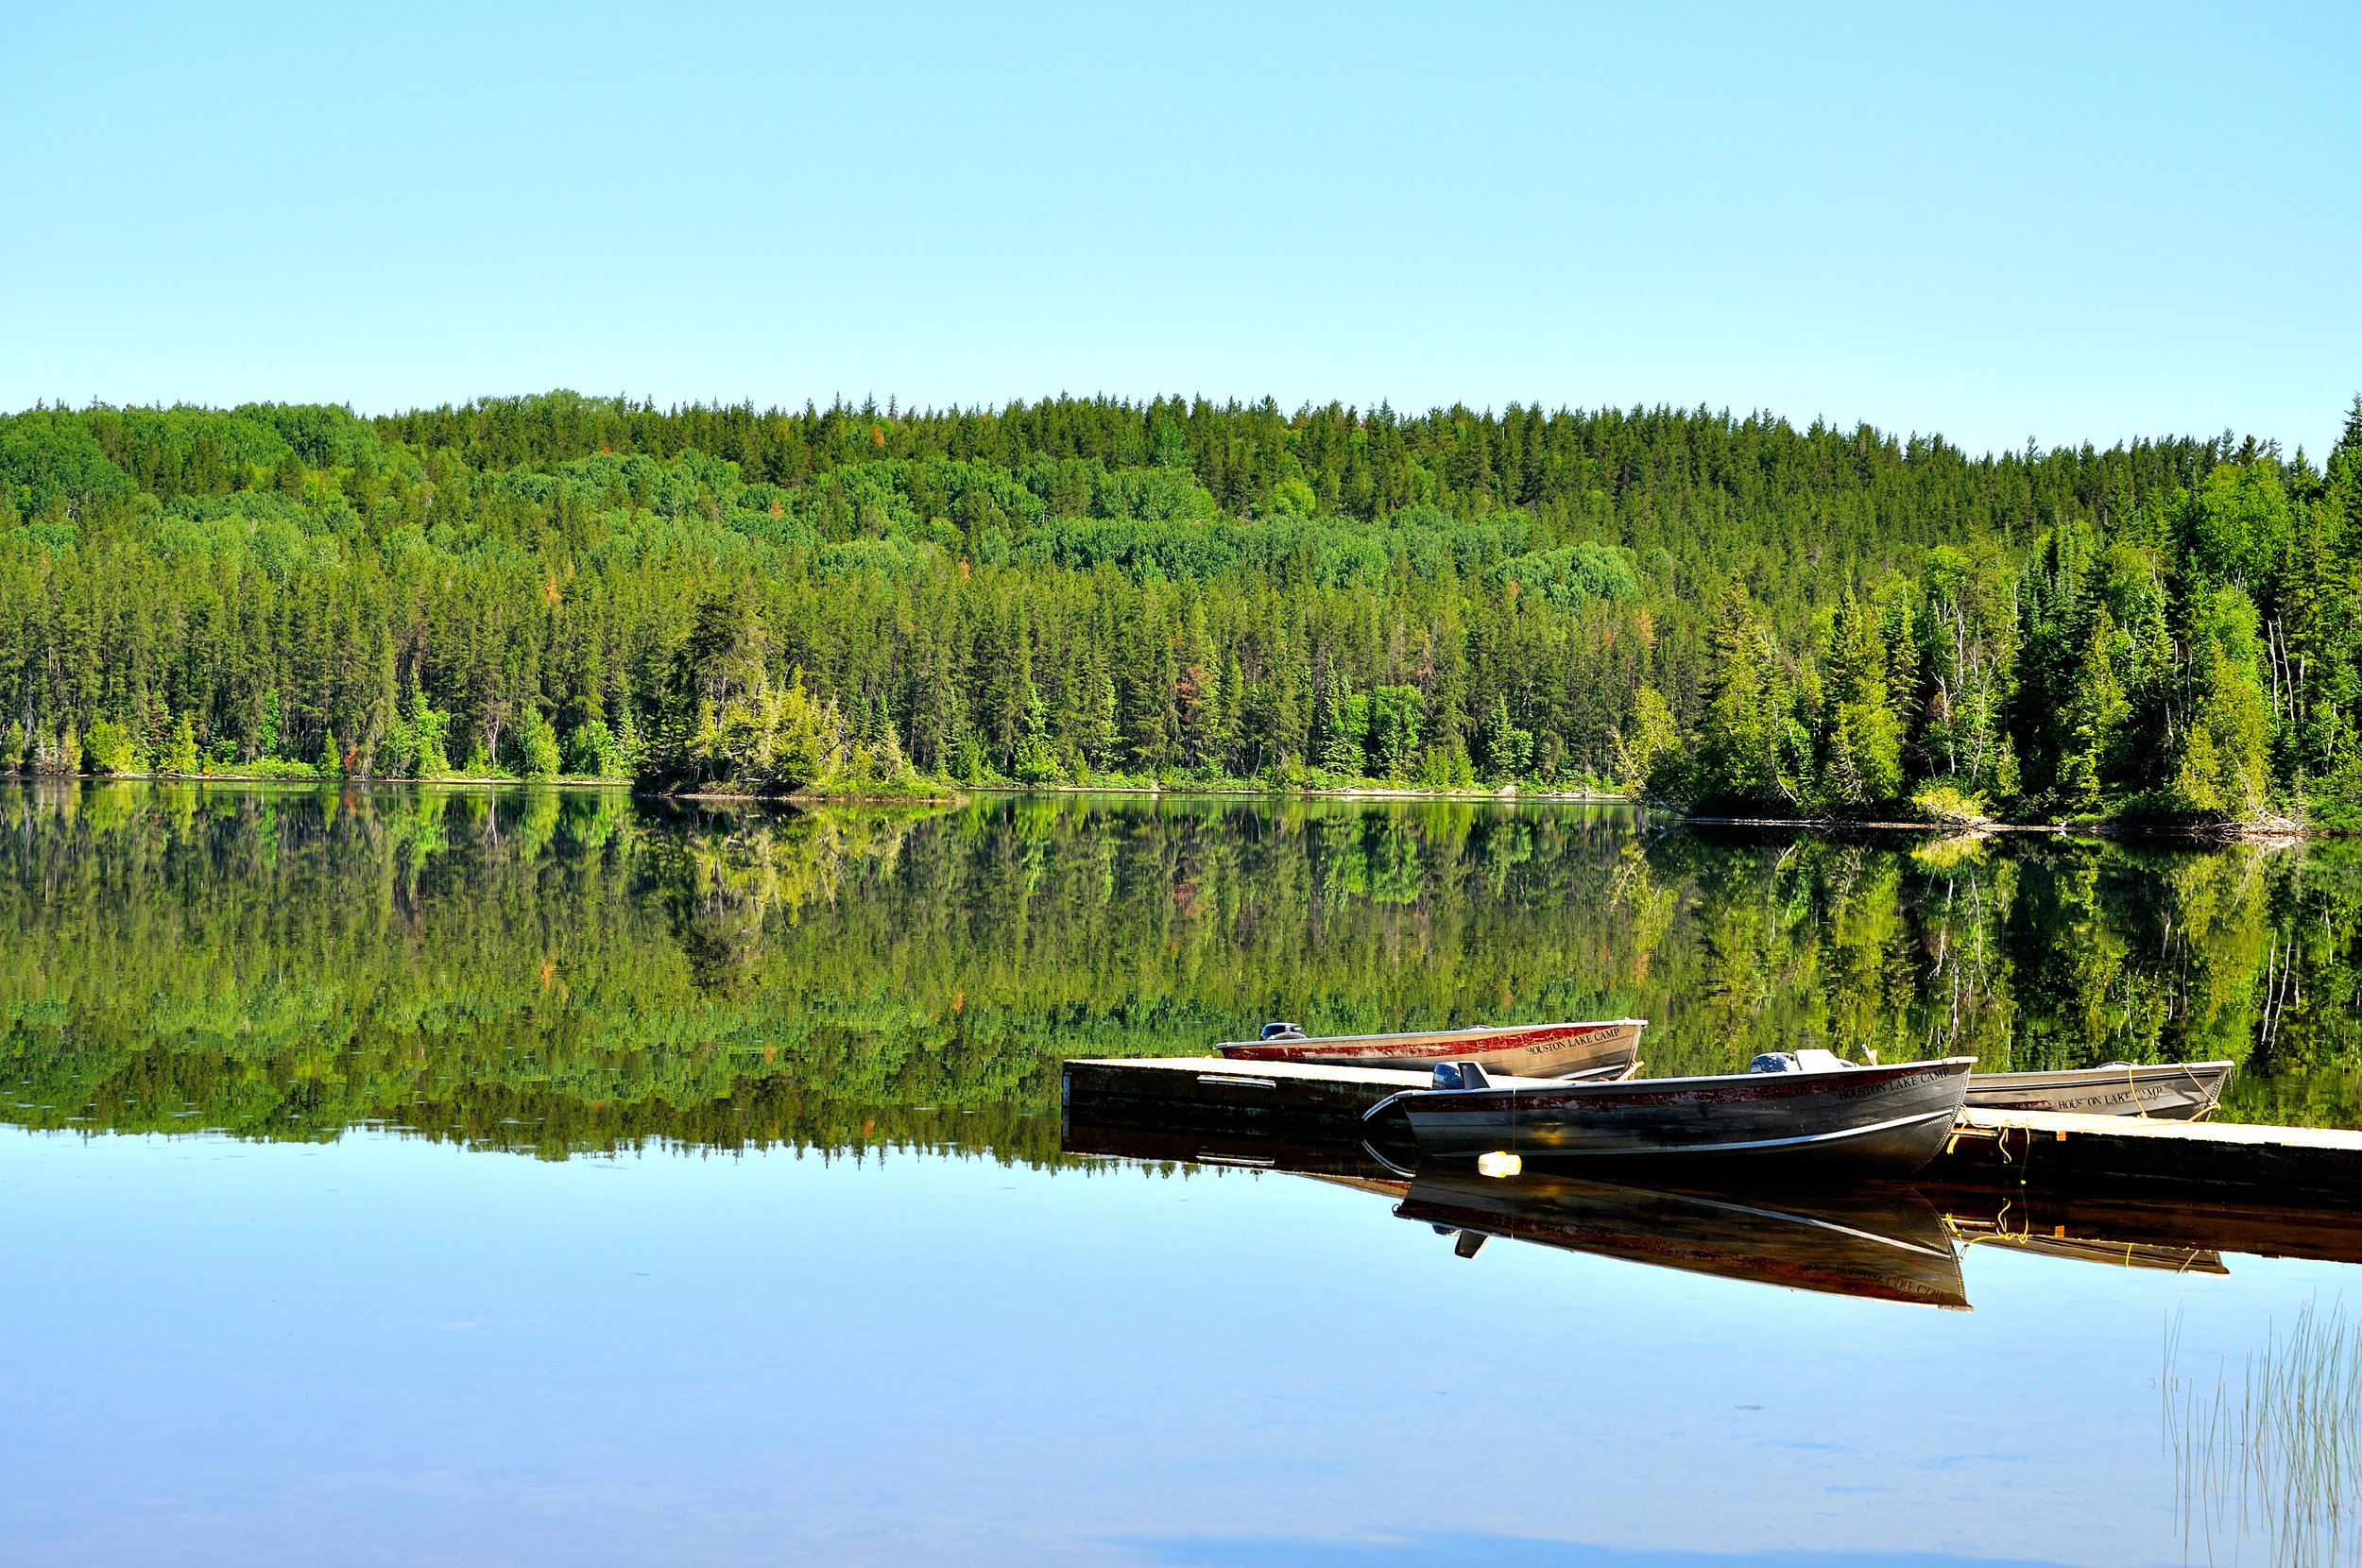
(1308, 1105)
(1214, 1092)
(2049, 1148)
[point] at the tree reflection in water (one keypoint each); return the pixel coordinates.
(556, 970)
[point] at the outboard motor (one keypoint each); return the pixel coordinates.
(1775, 1061)
(1461, 1074)
(1281, 1032)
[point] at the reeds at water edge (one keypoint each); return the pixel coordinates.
(2281, 1466)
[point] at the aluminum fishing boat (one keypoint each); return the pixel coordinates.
(2167, 1091)
(1889, 1119)
(1606, 1048)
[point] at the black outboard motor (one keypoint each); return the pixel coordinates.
(1461, 1074)
(1281, 1032)
(1775, 1061)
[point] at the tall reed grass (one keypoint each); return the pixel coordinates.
(2275, 1467)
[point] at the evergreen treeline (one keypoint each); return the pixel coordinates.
(2186, 653)
(1723, 610)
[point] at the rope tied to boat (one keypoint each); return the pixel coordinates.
(2210, 1095)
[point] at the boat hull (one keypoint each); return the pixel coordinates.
(1890, 1120)
(1519, 1050)
(2171, 1091)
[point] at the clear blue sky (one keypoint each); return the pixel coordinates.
(2058, 222)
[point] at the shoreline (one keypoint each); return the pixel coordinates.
(2272, 830)
(2268, 831)
(342, 781)
(955, 791)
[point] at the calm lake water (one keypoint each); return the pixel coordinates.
(418, 1175)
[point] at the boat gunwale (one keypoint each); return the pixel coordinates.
(1745, 1146)
(1631, 1087)
(2132, 1072)
(1438, 1034)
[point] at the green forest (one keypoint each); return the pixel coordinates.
(1730, 615)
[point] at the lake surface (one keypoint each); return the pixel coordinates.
(419, 1175)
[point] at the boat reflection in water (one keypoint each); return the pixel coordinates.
(1972, 1232)
(1885, 1245)
(2186, 1233)
(1880, 1241)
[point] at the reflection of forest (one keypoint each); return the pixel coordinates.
(558, 970)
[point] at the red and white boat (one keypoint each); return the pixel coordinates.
(1603, 1050)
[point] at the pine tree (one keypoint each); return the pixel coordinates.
(1036, 762)
(1508, 748)
(1395, 717)
(1223, 725)
(1345, 727)
(181, 757)
(1104, 738)
(1642, 746)
(536, 739)
(1862, 754)
(430, 730)
(2222, 769)
(2052, 609)
(2095, 720)
(1740, 739)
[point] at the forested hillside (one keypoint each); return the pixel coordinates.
(1724, 611)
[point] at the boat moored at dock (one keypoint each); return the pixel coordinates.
(2167, 1091)
(1890, 1120)
(1606, 1048)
